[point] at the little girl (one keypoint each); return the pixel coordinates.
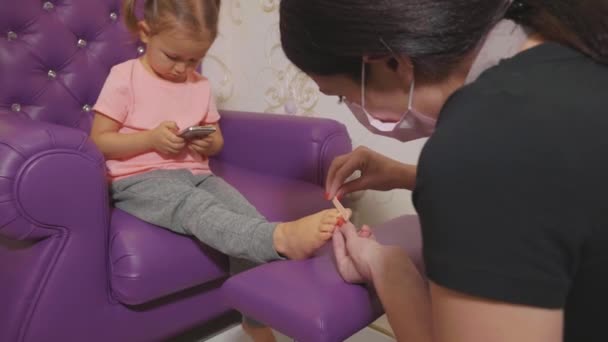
(163, 179)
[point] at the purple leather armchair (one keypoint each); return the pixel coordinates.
(74, 269)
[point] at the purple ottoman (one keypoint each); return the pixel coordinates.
(308, 300)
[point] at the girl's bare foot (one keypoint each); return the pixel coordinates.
(300, 239)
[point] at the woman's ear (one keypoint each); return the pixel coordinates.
(385, 66)
(390, 61)
(144, 31)
(404, 68)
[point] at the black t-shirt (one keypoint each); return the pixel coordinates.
(512, 188)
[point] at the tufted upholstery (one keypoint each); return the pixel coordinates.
(72, 268)
(46, 45)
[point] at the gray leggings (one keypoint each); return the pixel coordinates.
(203, 206)
(200, 205)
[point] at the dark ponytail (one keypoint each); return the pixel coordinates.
(580, 24)
(330, 36)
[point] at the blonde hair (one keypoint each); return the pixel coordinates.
(160, 15)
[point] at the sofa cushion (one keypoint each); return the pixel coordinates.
(149, 262)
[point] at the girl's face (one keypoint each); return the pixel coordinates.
(174, 54)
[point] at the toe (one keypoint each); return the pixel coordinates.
(330, 220)
(328, 227)
(326, 235)
(332, 213)
(341, 221)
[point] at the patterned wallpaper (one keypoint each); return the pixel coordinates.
(249, 72)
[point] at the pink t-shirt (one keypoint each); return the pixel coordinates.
(141, 101)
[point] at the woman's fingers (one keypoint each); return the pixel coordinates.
(341, 175)
(366, 232)
(345, 264)
(339, 245)
(355, 185)
(331, 183)
(349, 231)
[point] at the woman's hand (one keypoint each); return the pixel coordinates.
(401, 289)
(356, 253)
(377, 173)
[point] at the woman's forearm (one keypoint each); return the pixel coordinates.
(404, 295)
(405, 176)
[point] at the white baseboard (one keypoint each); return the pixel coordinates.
(236, 334)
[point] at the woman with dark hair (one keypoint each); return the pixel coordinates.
(509, 188)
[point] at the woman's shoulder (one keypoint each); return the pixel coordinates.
(539, 88)
(534, 112)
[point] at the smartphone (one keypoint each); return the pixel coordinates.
(197, 132)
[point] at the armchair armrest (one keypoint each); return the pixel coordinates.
(51, 177)
(285, 146)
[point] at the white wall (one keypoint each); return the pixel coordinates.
(250, 72)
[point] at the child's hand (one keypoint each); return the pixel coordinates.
(164, 139)
(201, 146)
